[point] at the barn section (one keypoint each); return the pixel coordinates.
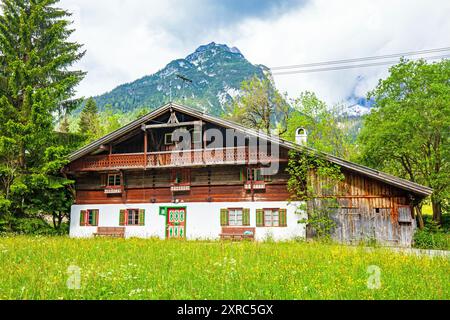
(136, 165)
(367, 209)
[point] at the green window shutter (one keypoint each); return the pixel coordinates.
(246, 217)
(241, 175)
(122, 217)
(141, 217)
(224, 217)
(283, 218)
(83, 217)
(259, 217)
(96, 213)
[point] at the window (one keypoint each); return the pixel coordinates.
(181, 176)
(168, 139)
(89, 218)
(132, 217)
(271, 217)
(178, 177)
(256, 175)
(235, 217)
(114, 180)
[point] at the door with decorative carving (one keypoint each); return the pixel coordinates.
(176, 223)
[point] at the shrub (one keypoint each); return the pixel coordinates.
(432, 237)
(37, 226)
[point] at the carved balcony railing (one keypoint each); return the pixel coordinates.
(167, 159)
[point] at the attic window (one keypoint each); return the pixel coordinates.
(168, 139)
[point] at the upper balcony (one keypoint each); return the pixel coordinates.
(171, 159)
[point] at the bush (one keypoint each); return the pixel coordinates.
(37, 226)
(432, 237)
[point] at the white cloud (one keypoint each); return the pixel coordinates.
(128, 39)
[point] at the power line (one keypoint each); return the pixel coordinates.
(395, 55)
(352, 66)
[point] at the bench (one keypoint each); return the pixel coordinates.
(118, 232)
(237, 233)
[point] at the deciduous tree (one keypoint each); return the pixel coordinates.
(260, 106)
(407, 134)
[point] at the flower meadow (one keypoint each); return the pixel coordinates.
(63, 268)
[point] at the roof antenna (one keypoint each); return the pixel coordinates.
(185, 80)
(170, 91)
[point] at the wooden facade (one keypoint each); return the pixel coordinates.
(214, 184)
(140, 164)
(366, 209)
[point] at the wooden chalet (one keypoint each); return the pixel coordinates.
(136, 182)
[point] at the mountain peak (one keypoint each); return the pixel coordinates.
(216, 71)
(217, 46)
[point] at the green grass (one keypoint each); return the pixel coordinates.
(36, 268)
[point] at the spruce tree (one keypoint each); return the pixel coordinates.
(37, 82)
(89, 124)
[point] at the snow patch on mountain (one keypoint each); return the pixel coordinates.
(356, 111)
(232, 92)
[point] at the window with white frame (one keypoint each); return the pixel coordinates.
(133, 217)
(235, 217)
(271, 217)
(114, 180)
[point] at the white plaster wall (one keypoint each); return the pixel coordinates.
(202, 220)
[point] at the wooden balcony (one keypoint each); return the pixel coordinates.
(170, 159)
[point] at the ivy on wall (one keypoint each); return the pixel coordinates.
(318, 202)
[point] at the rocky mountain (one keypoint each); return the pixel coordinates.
(216, 72)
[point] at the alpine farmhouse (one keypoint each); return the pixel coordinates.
(135, 182)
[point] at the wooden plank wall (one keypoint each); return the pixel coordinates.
(207, 184)
(366, 209)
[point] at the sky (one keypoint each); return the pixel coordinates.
(127, 39)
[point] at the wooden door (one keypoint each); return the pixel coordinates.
(350, 225)
(407, 226)
(176, 223)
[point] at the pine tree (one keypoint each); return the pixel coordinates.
(37, 82)
(89, 124)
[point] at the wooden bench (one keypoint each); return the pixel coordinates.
(237, 233)
(118, 232)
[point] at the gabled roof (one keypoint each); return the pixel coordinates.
(375, 174)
